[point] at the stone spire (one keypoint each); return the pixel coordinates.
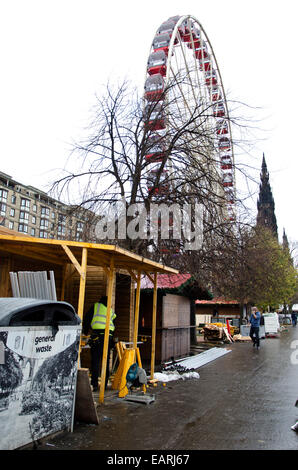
(266, 207)
(285, 242)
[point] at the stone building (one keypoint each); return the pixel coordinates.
(33, 212)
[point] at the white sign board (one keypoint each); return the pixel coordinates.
(271, 323)
(37, 382)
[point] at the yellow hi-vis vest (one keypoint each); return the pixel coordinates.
(100, 316)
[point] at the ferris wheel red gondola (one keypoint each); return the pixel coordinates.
(181, 46)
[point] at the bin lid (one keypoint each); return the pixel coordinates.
(12, 307)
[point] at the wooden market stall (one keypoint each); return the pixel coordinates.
(28, 253)
(218, 310)
(174, 320)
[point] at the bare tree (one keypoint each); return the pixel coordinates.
(150, 152)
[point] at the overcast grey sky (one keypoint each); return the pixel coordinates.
(56, 55)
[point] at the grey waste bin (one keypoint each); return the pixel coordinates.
(245, 330)
(39, 344)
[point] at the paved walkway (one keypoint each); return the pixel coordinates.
(242, 401)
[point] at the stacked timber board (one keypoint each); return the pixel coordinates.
(213, 332)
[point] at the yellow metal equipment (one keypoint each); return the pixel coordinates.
(127, 357)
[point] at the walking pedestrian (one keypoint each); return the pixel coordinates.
(255, 327)
(95, 319)
(294, 318)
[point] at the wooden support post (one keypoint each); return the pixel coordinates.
(5, 285)
(153, 326)
(107, 332)
(73, 258)
(139, 361)
(82, 292)
(82, 283)
(132, 275)
(82, 270)
(64, 269)
(150, 277)
(137, 309)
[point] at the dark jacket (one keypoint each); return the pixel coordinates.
(87, 320)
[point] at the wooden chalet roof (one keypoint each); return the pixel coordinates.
(59, 252)
(166, 281)
(181, 284)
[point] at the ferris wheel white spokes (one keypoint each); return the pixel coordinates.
(183, 85)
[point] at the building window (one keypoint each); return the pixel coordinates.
(33, 219)
(43, 234)
(44, 223)
(25, 204)
(12, 212)
(45, 211)
(3, 195)
(34, 208)
(24, 216)
(33, 232)
(61, 230)
(79, 230)
(2, 209)
(23, 228)
(13, 199)
(62, 219)
(10, 225)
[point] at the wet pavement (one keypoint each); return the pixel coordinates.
(243, 400)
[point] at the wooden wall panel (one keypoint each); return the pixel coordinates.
(173, 314)
(175, 343)
(176, 311)
(96, 285)
(222, 309)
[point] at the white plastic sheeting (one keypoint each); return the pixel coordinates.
(168, 376)
(199, 360)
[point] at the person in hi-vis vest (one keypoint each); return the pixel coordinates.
(95, 319)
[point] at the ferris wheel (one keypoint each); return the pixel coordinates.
(182, 71)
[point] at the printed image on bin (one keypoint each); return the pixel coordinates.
(39, 344)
